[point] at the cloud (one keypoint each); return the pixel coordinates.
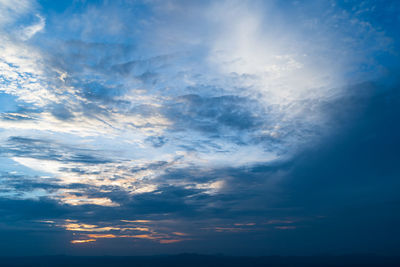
(29, 31)
(46, 149)
(11, 12)
(212, 114)
(235, 117)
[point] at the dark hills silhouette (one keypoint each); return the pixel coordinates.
(195, 260)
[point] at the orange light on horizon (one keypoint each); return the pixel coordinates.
(179, 234)
(136, 221)
(82, 241)
(102, 236)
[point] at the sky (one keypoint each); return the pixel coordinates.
(236, 127)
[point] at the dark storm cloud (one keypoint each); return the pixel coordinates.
(351, 180)
(361, 163)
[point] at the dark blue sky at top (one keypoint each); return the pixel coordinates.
(236, 127)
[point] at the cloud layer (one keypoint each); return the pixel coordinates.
(175, 121)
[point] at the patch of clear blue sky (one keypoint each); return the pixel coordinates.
(7, 102)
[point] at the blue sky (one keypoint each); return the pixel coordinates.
(238, 127)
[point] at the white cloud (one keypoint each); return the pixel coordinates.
(29, 31)
(10, 10)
